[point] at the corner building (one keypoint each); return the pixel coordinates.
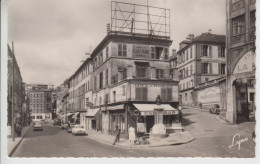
(129, 72)
(240, 60)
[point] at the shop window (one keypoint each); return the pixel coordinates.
(123, 71)
(238, 25)
(159, 73)
(141, 93)
(166, 94)
(122, 50)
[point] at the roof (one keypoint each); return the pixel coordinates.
(92, 112)
(206, 38)
(80, 67)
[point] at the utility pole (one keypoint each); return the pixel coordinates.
(13, 130)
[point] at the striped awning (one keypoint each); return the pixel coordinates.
(148, 109)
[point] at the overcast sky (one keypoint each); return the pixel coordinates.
(52, 36)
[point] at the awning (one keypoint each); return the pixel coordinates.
(75, 115)
(69, 114)
(92, 112)
(115, 107)
(148, 109)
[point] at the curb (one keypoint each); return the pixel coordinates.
(12, 151)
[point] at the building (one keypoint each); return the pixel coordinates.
(240, 60)
(15, 96)
(40, 104)
(31, 86)
(199, 60)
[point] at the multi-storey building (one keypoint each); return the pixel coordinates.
(240, 59)
(15, 97)
(40, 104)
(200, 59)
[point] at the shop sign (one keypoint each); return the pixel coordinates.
(151, 85)
(170, 112)
(146, 113)
(246, 63)
(141, 51)
(209, 95)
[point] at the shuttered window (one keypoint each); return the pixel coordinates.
(159, 73)
(141, 93)
(121, 49)
(166, 94)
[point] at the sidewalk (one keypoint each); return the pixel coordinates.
(11, 145)
(172, 139)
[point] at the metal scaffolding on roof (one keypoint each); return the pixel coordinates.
(135, 19)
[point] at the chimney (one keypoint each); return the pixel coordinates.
(209, 31)
(108, 28)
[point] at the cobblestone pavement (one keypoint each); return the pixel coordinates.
(213, 139)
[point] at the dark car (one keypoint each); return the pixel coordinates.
(215, 109)
(57, 122)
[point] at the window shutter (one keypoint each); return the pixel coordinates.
(144, 92)
(219, 51)
(201, 50)
(210, 51)
(202, 68)
(169, 94)
(163, 94)
(210, 68)
(219, 68)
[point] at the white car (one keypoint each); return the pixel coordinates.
(78, 130)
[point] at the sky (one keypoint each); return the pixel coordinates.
(51, 37)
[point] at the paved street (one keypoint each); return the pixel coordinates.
(213, 139)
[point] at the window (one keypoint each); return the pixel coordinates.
(106, 99)
(107, 77)
(101, 80)
(88, 85)
(158, 51)
(106, 52)
(95, 83)
(191, 83)
(252, 96)
(166, 53)
(206, 79)
(166, 94)
(123, 71)
(114, 96)
(183, 86)
(206, 68)
(187, 84)
(153, 52)
(122, 50)
(186, 97)
(100, 100)
(221, 51)
(141, 71)
(191, 52)
(187, 72)
(141, 93)
(101, 58)
(180, 87)
(206, 51)
(238, 25)
(159, 73)
(187, 55)
(191, 71)
(222, 69)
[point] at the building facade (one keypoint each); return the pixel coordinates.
(240, 60)
(15, 96)
(40, 104)
(199, 60)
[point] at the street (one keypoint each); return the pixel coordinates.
(212, 139)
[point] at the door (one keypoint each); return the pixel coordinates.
(149, 123)
(242, 107)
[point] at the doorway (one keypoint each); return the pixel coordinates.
(149, 123)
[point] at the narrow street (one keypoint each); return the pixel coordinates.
(213, 138)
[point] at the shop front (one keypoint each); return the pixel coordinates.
(93, 119)
(145, 116)
(241, 90)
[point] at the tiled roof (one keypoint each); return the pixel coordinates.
(208, 37)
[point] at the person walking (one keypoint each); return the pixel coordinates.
(117, 135)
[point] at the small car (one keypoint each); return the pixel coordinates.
(78, 130)
(56, 122)
(215, 109)
(37, 126)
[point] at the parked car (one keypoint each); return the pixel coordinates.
(37, 126)
(64, 125)
(215, 109)
(78, 130)
(56, 121)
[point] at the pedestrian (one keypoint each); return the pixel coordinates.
(131, 133)
(18, 130)
(117, 135)
(180, 114)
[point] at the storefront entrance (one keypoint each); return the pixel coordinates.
(149, 123)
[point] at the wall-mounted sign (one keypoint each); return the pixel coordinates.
(246, 63)
(141, 51)
(209, 95)
(147, 113)
(170, 112)
(151, 85)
